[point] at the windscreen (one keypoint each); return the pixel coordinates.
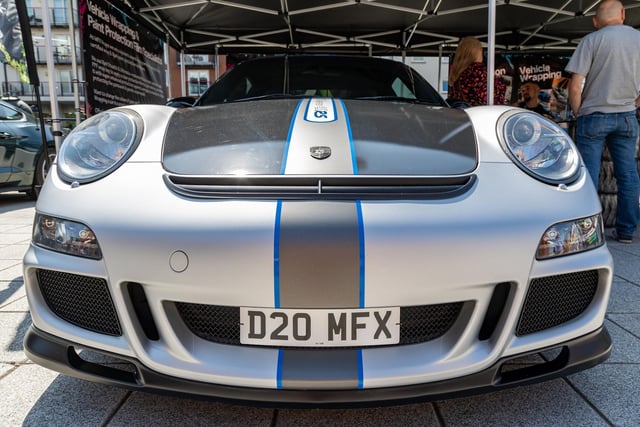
(330, 76)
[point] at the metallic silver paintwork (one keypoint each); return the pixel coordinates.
(415, 252)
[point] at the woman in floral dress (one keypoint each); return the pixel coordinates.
(468, 76)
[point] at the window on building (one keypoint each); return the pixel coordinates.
(62, 48)
(198, 81)
(59, 13)
(65, 80)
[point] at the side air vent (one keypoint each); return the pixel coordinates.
(495, 310)
(142, 310)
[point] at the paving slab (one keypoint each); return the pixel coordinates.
(10, 292)
(154, 410)
(626, 346)
(401, 416)
(13, 252)
(613, 389)
(552, 403)
(5, 368)
(13, 327)
(49, 399)
(625, 297)
(626, 266)
(628, 322)
(12, 272)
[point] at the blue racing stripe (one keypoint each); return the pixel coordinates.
(354, 162)
(358, 205)
(276, 257)
(361, 244)
(360, 370)
(279, 369)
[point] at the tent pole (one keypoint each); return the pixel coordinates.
(182, 74)
(491, 51)
(183, 68)
(217, 63)
(167, 59)
(404, 47)
(74, 63)
(440, 68)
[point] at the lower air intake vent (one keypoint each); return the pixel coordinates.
(81, 300)
(554, 300)
(221, 324)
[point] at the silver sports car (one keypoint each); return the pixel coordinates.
(318, 231)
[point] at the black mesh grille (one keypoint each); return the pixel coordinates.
(554, 300)
(81, 300)
(221, 324)
(215, 323)
(422, 323)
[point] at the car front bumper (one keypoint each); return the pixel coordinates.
(558, 361)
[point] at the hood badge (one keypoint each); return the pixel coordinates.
(320, 152)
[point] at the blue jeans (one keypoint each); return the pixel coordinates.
(620, 132)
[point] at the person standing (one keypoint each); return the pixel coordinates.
(607, 63)
(468, 76)
(529, 94)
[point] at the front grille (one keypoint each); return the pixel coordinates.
(221, 324)
(81, 300)
(554, 300)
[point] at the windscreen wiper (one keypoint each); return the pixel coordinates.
(271, 96)
(396, 98)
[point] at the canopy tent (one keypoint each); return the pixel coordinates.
(376, 27)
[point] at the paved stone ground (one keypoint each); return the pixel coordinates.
(606, 395)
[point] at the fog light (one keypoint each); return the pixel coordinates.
(571, 237)
(65, 236)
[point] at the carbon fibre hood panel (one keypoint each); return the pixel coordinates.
(322, 136)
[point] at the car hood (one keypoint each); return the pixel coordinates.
(320, 136)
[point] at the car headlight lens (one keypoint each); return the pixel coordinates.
(539, 147)
(65, 236)
(571, 237)
(99, 145)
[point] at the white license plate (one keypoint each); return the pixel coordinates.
(320, 328)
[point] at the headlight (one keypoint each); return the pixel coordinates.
(571, 237)
(65, 236)
(99, 145)
(539, 147)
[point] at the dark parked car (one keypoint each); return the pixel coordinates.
(22, 158)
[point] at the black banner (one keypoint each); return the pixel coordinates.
(11, 46)
(124, 61)
(547, 71)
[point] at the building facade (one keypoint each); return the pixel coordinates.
(199, 70)
(64, 80)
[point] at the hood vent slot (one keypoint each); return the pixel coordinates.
(292, 187)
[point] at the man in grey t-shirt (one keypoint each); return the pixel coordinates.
(607, 63)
